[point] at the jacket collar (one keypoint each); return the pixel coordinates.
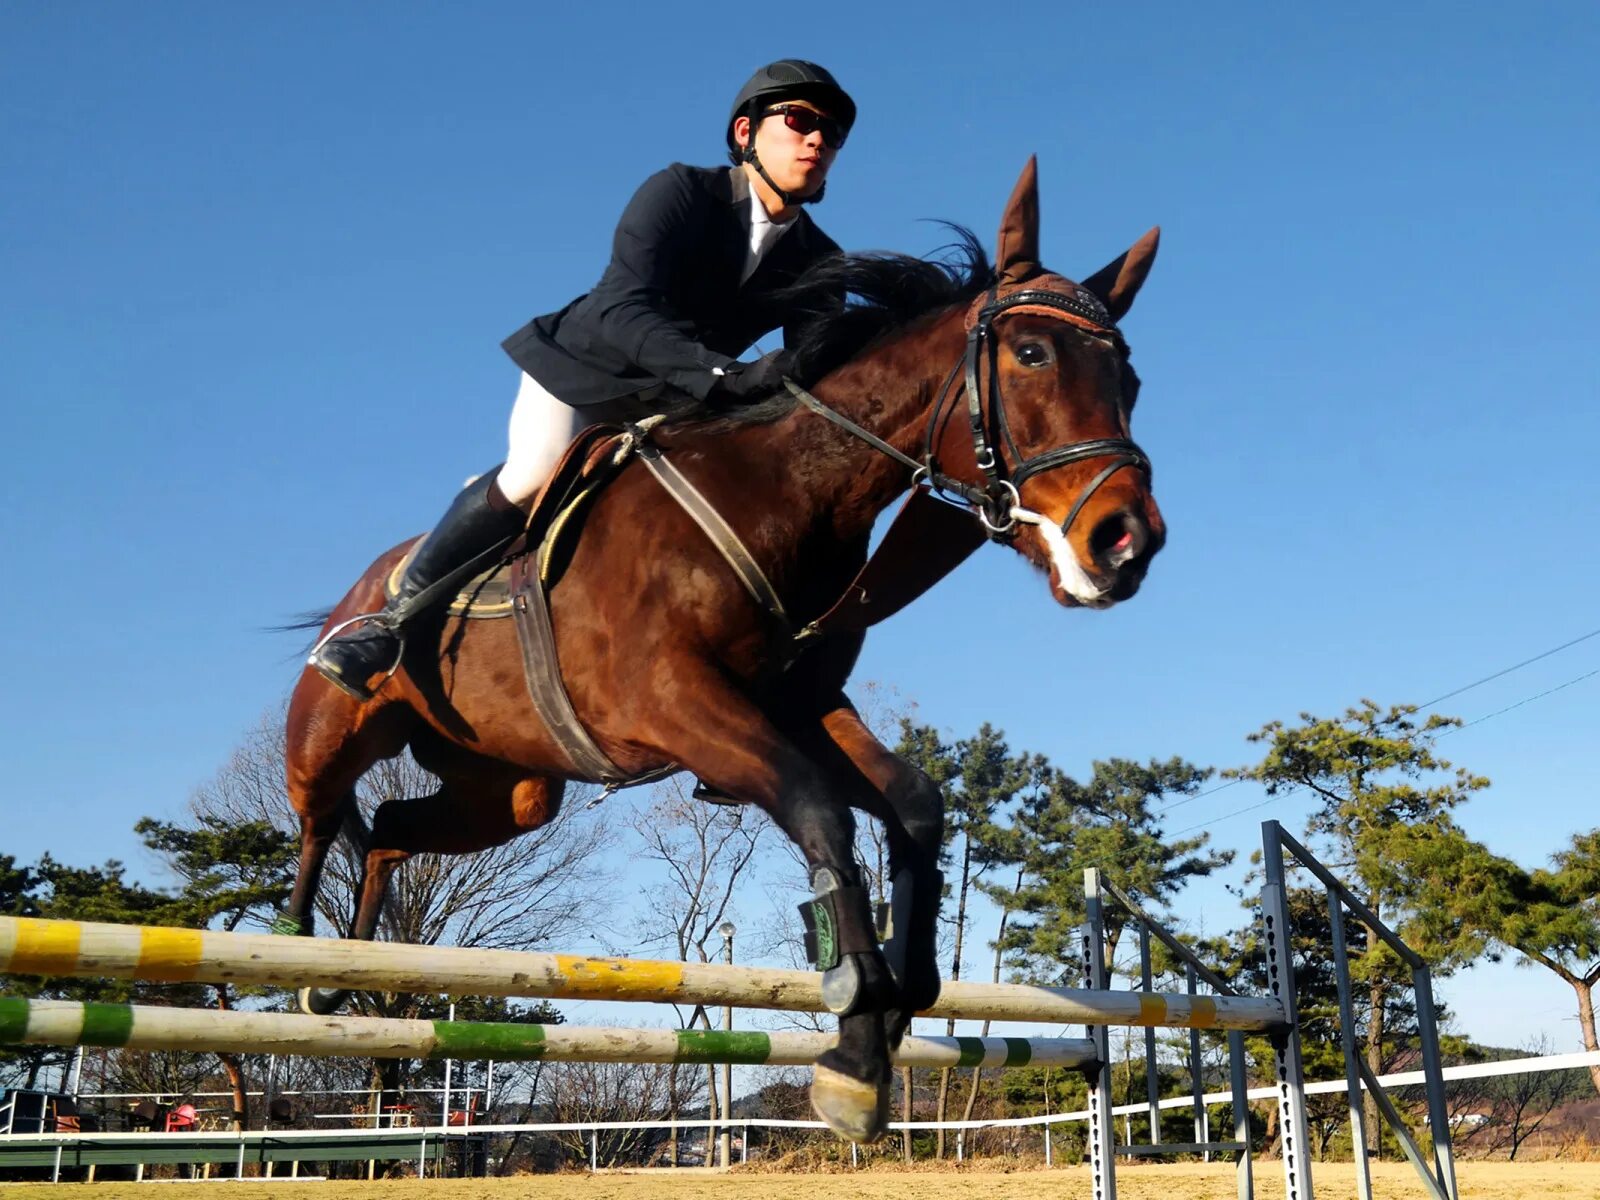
(793, 242)
(739, 200)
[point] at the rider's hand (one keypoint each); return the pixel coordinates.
(745, 382)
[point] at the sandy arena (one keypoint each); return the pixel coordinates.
(1334, 1181)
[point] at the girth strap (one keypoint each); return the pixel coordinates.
(531, 611)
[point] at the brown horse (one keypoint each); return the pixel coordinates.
(667, 660)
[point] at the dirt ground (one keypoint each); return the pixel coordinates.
(1333, 1181)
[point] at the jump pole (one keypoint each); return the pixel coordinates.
(30, 946)
(145, 1027)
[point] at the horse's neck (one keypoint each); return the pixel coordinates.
(889, 392)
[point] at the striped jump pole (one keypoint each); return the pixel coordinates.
(41, 947)
(143, 1027)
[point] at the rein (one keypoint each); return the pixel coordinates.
(997, 502)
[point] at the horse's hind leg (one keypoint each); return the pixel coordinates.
(480, 803)
(319, 826)
(330, 742)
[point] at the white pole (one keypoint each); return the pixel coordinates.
(76, 1076)
(266, 1097)
(444, 1112)
(727, 930)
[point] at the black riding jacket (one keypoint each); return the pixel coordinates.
(670, 307)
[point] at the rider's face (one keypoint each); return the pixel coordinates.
(798, 163)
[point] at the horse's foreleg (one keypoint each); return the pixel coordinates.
(731, 746)
(911, 808)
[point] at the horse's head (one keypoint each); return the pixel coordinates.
(1050, 431)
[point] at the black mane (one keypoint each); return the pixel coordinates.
(882, 292)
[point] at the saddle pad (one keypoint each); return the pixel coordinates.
(485, 595)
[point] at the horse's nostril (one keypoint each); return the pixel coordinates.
(1118, 539)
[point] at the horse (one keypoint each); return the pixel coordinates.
(1006, 388)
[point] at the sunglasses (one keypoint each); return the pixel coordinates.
(805, 122)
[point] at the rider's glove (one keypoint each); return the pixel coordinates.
(745, 382)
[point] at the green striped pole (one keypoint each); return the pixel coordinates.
(144, 1027)
(37, 947)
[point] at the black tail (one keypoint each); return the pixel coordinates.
(307, 620)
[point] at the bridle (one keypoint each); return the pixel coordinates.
(997, 501)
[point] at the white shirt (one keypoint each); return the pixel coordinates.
(764, 235)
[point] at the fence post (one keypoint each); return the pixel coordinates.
(1290, 1067)
(1102, 1146)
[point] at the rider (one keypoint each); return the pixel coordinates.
(696, 264)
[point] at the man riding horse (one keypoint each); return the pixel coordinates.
(715, 633)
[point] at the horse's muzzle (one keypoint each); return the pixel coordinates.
(1122, 544)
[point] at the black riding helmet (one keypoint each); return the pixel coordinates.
(787, 79)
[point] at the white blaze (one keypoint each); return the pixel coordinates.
(1074, 579)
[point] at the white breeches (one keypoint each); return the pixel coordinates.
(541, 430)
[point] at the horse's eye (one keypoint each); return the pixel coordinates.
(1034, 354)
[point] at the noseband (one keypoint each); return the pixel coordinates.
(997, 501)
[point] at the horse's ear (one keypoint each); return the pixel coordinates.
(1119, 281)
(1018, 254)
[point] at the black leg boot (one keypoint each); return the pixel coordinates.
(478, 525)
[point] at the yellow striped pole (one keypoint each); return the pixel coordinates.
(145, 1027)
(83, 948)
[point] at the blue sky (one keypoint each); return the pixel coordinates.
(255, 264)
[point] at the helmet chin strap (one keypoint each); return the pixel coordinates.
(789, 198)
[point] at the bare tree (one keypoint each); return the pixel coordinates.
(705, 849)
(1510, 1109)
(582, 1093)
(530, 892)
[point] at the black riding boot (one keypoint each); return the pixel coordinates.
(478, 525)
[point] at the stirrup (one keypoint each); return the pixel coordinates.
(355, 690)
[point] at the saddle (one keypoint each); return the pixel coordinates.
(597, 454)
(927, 540)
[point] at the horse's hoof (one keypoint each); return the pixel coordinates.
(321, 1002)
(852, 1108)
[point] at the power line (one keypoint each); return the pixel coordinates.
(1429, 704)
(1221, 787)
(1515, 667)
(1520, 703)
(1299, 787)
